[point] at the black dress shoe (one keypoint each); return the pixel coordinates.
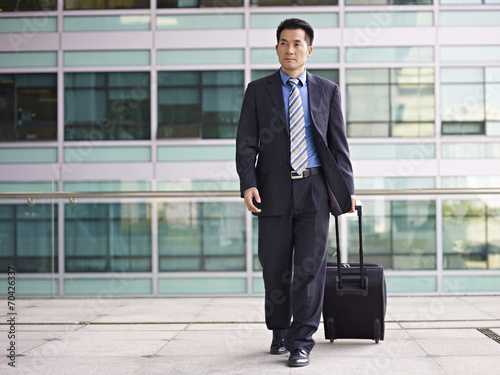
(298, 358)
(278, 346)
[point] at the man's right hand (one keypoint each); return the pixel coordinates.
(248, 196)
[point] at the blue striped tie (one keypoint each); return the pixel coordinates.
(298, 147)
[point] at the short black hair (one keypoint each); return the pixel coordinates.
(294, 24)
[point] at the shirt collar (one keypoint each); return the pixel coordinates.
(285, 77)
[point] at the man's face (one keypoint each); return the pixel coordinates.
(293, 51)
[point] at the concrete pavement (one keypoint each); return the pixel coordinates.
(227, 335)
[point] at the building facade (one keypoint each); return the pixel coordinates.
(139, 95)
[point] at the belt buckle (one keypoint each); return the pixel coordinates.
(296, 176)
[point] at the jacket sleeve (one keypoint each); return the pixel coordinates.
(247, 142)
(337, 139)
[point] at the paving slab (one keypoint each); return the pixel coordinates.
(467, 365)
(227, 335)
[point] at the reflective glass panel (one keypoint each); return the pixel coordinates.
(102, 106)
(107, 23)
(388, 19)
(469, 101)
(108, 237)
(26, 237)
(28, 107)
(105, 4)
(292, 2)
(470, 18)
(388, 2)
(27, 5)
(399, 235)
(199, 104)
(390, 102)
(470, 234)
(201, 236)
(198, 3)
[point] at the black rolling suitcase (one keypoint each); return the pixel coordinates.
(355, 297)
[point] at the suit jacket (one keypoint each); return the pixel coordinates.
(263, 144)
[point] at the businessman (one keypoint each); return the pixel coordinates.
(293, 163)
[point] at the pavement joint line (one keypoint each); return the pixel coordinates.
(237, 322)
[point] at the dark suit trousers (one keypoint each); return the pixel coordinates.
(293, 252)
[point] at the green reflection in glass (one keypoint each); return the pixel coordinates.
(199, 21)
(199, 104)
(397, 234)
(388, 19)
(202, 286)
(272, 20)
(389, 54)
(26, 237)
(108, 237)
(395, 102)
(470, 53)
(470, 18)
(201, 56)
(201, 237)
(469, 238)
(107, 23)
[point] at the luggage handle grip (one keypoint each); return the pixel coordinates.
(359, 210)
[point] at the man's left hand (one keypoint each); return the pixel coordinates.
(353, 199)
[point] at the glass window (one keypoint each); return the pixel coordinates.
(27, 5)
(399, 235)
(198, 3)
(469, 2)
(199, 21)
(107, 58)
(199, 104)
(292, 2)
(413, 152)
(107, 106)
(470, 18)
(105, 4)
(388, 19)
(195, 56)
(28, 107)
(272, 20)
(388, 2)
(107, 23)
(201, 237)
(471, 239)
(390, 102)
(389, 54)
(469, 101)
(470, 53)
(464, 150)
(454, 182)
(108, 237)
(27, 59)
(26, 237)
(26, 25)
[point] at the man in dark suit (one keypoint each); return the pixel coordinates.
(293, 162)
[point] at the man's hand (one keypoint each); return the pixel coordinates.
(248, 197)
(353, 199)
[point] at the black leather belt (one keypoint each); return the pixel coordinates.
(306, 173)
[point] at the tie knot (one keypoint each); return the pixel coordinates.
(293, 82)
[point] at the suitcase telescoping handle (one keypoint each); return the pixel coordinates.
(359, 211)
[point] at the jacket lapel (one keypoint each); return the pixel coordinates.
(315, 93)
(276, 94)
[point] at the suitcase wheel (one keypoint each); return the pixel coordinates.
(376, 330)
(330, 327)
